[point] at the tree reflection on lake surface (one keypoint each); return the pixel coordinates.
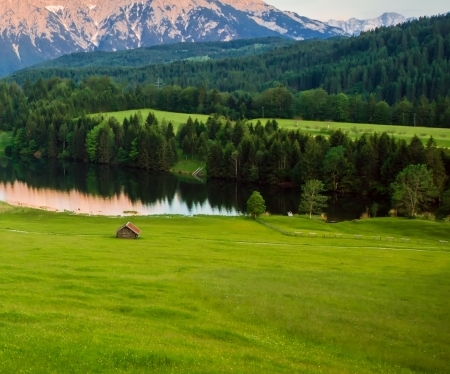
(111, 191)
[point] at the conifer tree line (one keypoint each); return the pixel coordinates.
(144, 144)
(240, 151)
(48, 118)
(60, 100)
(264, 153)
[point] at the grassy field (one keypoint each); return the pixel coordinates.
(217, 294)
(187, 166)
(354, 130)
(175, 118)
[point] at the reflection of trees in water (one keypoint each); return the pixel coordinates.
(230, 195)
(99, 180)
(223, 195)
(192, 193)
(278, 200)
(281, 200)
(36, 174)
(108, 181)
(148, 188)
(102, 180)
(345, 208)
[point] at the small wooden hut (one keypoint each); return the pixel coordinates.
(128, 231)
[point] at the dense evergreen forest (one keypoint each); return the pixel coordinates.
(410, 60)
(166, 53)
(48, 119)
(243, 151)
(67, 99)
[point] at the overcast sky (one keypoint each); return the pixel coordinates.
(344, 9)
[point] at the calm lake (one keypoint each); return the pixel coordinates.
(112, 191)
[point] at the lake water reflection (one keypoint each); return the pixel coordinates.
(112, 191)
(19, 193)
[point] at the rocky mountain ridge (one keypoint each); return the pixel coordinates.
(32, 31)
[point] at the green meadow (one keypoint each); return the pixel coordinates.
(187, 165)
(222, 295)
(354, 130)
(175, 118)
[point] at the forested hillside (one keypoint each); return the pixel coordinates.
(67, 99)
(409, 61)
(166, 53)
(48, 119)
(396, 75)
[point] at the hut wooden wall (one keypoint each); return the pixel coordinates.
(126, 233)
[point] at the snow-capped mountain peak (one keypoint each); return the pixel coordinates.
(34, 30)
(355, 26)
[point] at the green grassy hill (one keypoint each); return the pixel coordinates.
(354, 130)
(175, 118)
(422, 234)
(216, 294)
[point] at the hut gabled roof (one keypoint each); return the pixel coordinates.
(131, 227)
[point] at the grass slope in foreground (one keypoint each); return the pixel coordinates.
(217, 294)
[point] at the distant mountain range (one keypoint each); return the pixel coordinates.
(32, 31)
(355, 26)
